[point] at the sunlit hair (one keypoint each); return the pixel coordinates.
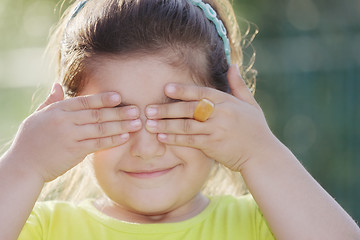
(174, 29)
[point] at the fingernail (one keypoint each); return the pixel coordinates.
(151, 123)
(124, 136)
(151, 111)
(237, 69)
(170, 88)
(53, 88)
(162, 136)
(115, 97)
(135, 123)
(133, 112)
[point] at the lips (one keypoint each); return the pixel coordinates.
(149, 173)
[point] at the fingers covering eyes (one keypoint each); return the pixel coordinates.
(196, 141)
(177, 126)
(101, 100)
(171, 110)
(191, 92)
(106, 142)
(107, 129)
(105, 115)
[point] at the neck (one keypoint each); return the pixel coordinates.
(179, 213)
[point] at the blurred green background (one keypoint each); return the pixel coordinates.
(307, 56)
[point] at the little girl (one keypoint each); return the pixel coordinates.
(153, 101)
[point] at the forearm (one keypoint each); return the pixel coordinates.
(294, 204)
(19, 189)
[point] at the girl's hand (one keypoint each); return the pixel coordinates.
(60, 133)
(235, 131)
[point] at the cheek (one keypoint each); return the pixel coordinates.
(194, 159)
(104, 164)
(109, 158)
(101, 160)
(105, 169)
(100, 168)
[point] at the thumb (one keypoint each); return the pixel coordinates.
(238, 86)
(57, 94)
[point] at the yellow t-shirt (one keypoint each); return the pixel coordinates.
(226, 217)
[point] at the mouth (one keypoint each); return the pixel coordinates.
(149, 173)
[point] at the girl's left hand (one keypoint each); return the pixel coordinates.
(235, 132)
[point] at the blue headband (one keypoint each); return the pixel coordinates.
(77, 9)
(209, 13)
(220, 28)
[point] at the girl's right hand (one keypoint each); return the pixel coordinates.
(60, 133)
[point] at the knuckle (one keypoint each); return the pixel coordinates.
(116, 140)
(190, 108)
(113, 140)
(96, 115)
(190, 139)
(100, 129)
(84, 101)
(186, 125)
(98, 143)
(104, 98)
(176, 139)
(121, 126)
(163, 110)
(119, 113)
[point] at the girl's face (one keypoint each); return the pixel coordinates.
(144, 177)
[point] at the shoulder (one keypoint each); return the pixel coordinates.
(50, 206)
(46, 210)
(242, 215)
(244, 204)
(49, 215)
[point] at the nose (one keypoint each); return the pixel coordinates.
(145, 145)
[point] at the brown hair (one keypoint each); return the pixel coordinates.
(112, 28)
(122, 27)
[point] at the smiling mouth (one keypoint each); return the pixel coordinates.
(149, 174)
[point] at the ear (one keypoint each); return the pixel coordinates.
(57, 94)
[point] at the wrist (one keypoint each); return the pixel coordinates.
(20, 188)
(267, 152)
(18, 165)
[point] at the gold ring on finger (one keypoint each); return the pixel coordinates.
(203, 110)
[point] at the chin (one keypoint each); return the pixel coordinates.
(153, 204)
